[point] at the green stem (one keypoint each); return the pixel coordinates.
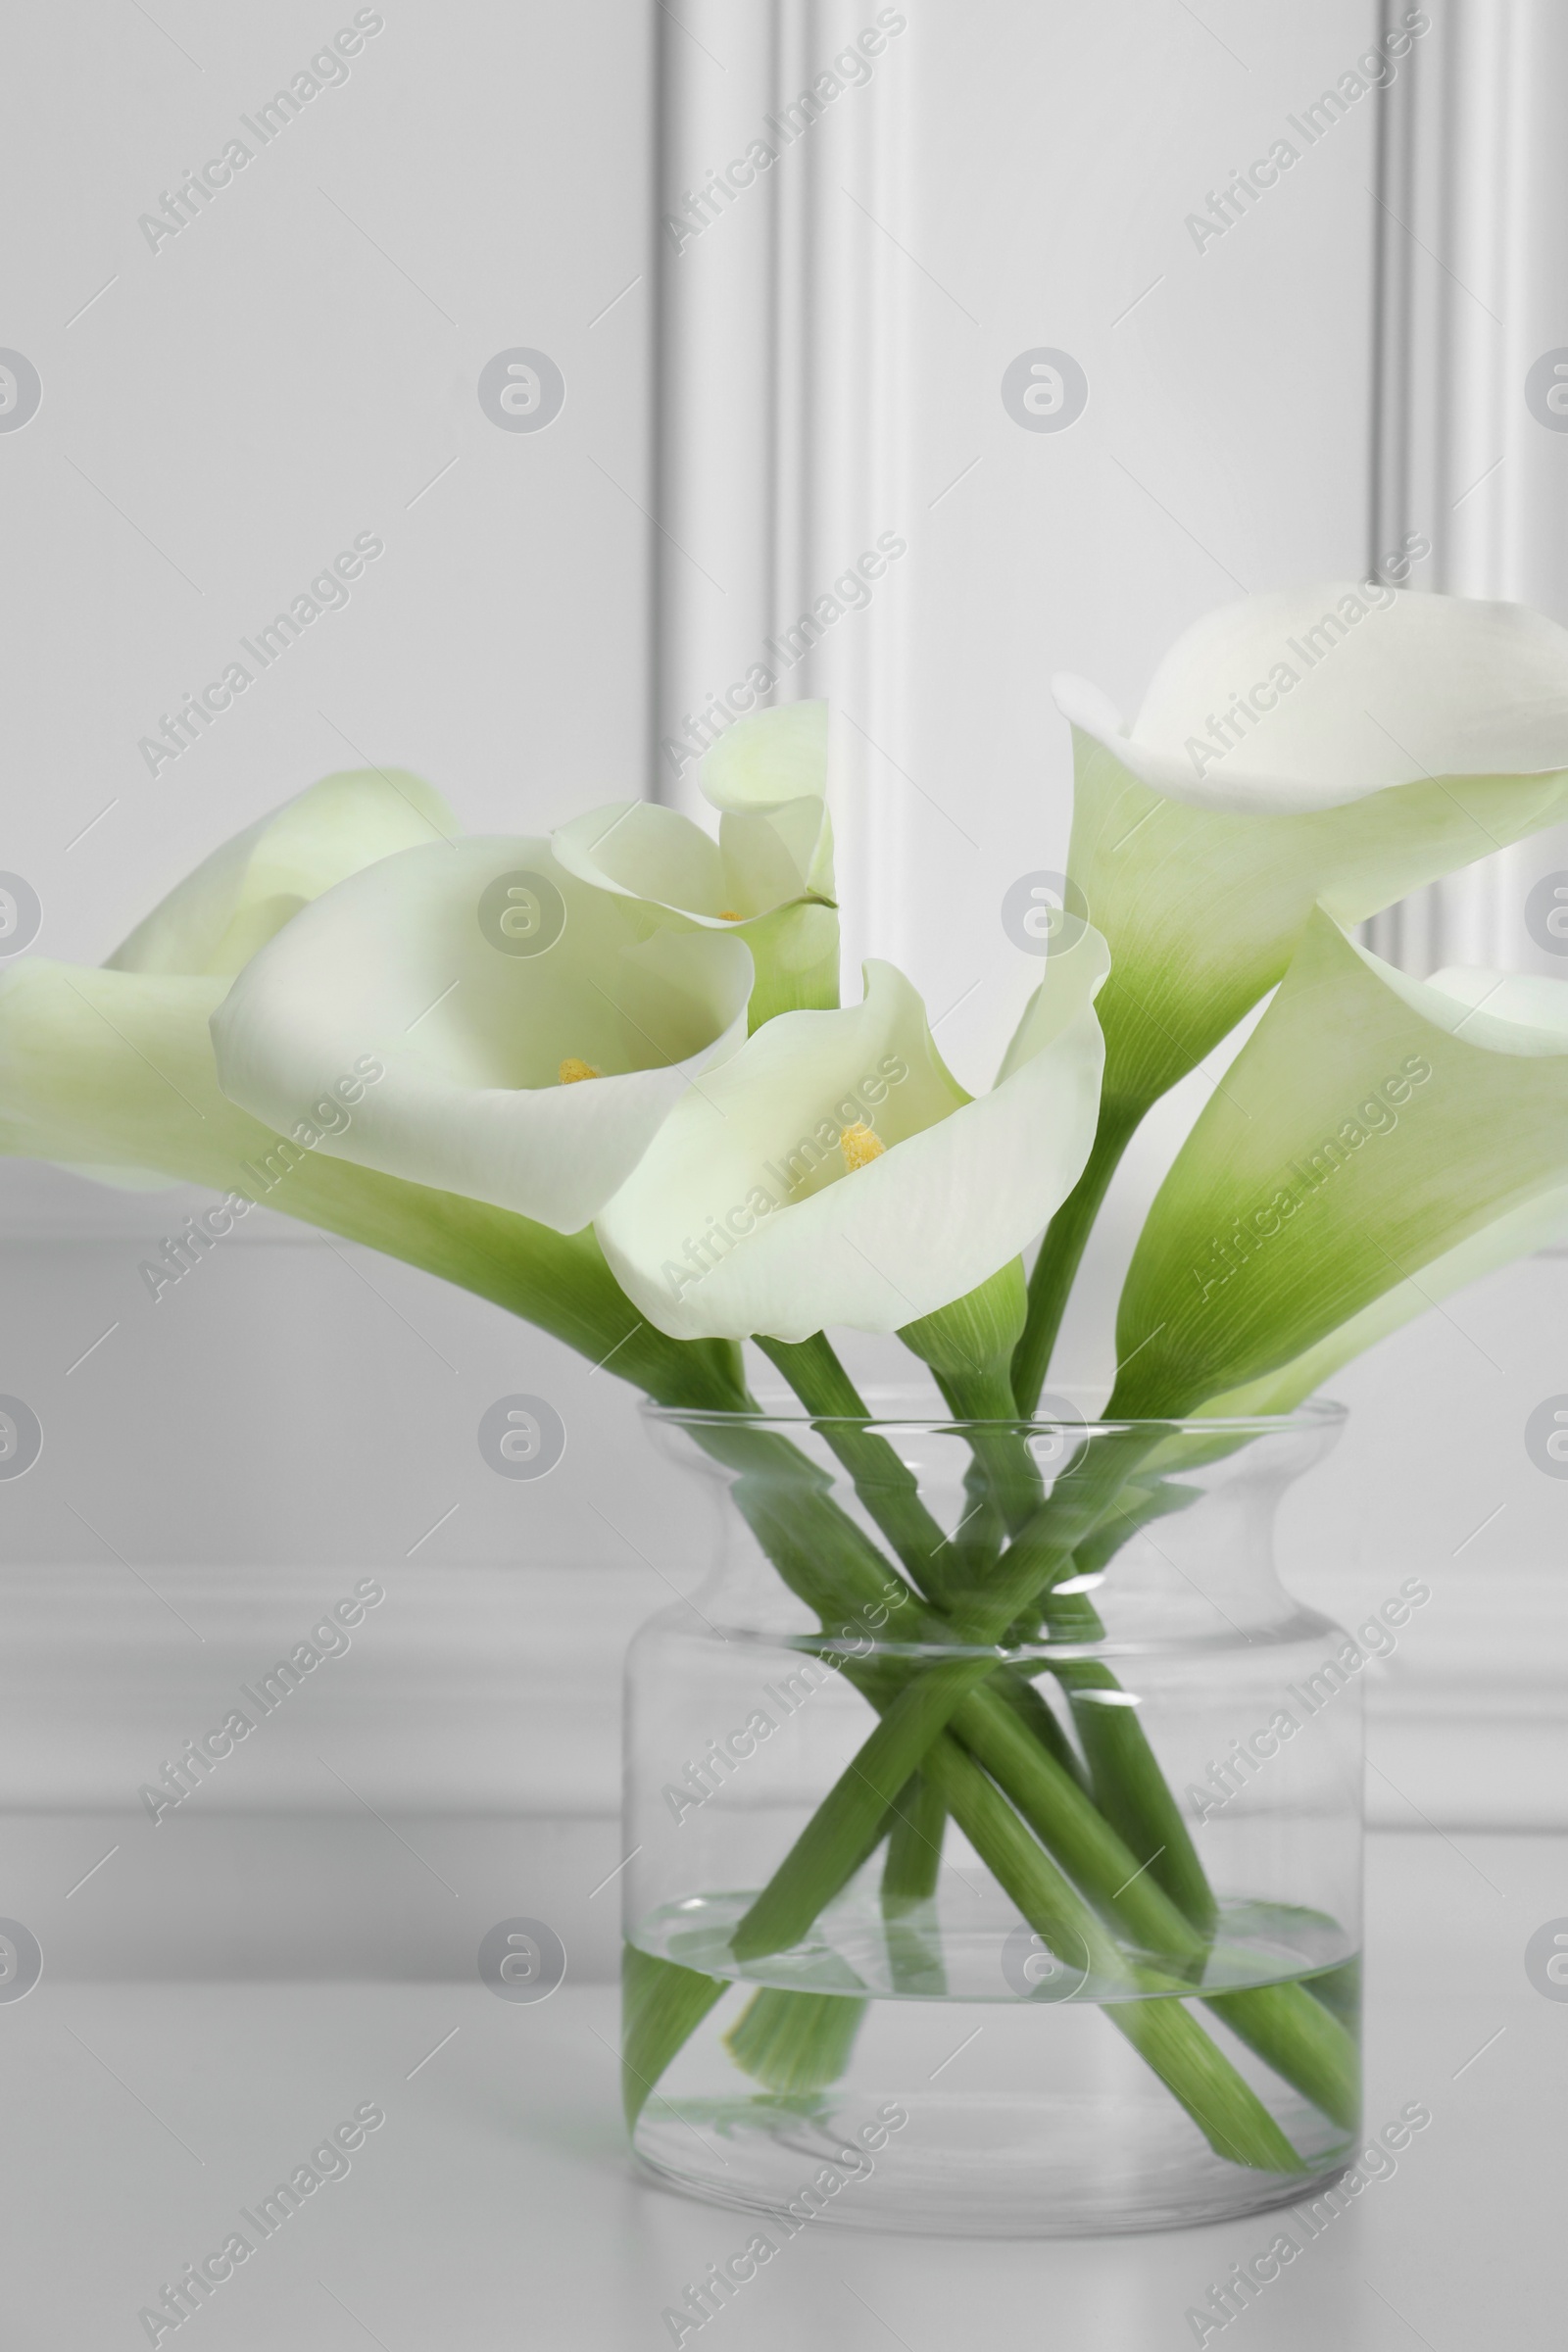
(842, 1829)
(909, 1876)
(915, 1847)
(890, 1493)
(1287, 2025)
(1226, 2110)
(884, 1483)
(1231, 2116)
(1132, 1791)
(1123, 1890)
(1009, 1473)
(1302, 2040)
(836, 1839)
(795, 2041)
(821, 1554)
(984, 1395)
(979, 1537)
(662, 2004)
(1013, 1688)
(826, 1560)
(1041, 1552)
(1129, 1786)
(1062, 1250)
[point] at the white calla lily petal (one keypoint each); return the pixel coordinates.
(410, 966)
(236, 899)
(760, 881)
(640, 850)
(753, 1213)
(769, 757)
(1519, 1000)
(1358, 686)
(1202, 882)
(767, 855)
(774, 762)
(112, 1071)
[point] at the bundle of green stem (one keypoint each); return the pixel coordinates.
(1092, 1847)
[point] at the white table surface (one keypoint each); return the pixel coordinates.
(496, 2208)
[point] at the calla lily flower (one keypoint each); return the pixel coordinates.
(834, 1172)
(530, 1033)
(769, 878)
(1378, 1141)
(66, 1091)
(1337, 745)
(112, 1070)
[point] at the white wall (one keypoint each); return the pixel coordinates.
(230, 410)
(280, 376)
(226, 413)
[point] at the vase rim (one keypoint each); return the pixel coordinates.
(1317, 1415)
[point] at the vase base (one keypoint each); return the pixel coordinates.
(965, 2167)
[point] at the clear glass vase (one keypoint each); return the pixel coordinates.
(995, 1822)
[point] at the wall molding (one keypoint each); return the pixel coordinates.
(507, 1804)
(780, 435)
(514, 1675)
(1471, 289)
